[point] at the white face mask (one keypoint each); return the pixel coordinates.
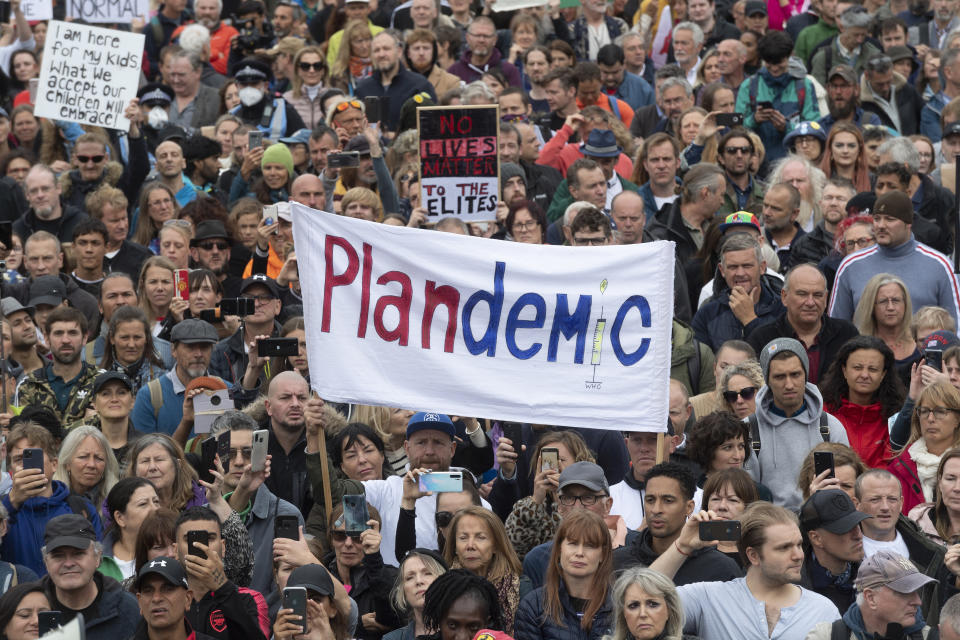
(157, 117)
(250, 96)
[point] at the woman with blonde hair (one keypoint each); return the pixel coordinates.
(87, 464)
(362, 203)
(478, 542)
(640, 598)
(175, 244)
(885, 311)
(353, 59)
(845, 155)
(418, 569)
(708, 71)
(309, 72)
(579, 570)
(738, 386)
(156, 286)
(940, 519)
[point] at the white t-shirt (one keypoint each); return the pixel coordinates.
(898, 546)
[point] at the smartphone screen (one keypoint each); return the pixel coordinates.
(550, 459)
(208, 459)
(354, 514)
(723, 530)
(823, 461)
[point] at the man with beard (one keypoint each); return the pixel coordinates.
(481, 55)
(210, 249)
(934, 33)
(23, 335)
(743, 193)
(93, 166)
(193, 342)
(781, 206)
(421, 57)
(48, 211)
(620, 83)
(170, 166)
(207, 13)
(817, 245)
(536, 66)
(275, 117)
(843, 100)
(202, 157)
(65, 385)
(390, 79)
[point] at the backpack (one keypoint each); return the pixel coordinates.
(755, 431)
(799, 85)
(840, 631)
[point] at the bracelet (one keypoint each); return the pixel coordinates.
(676, 543)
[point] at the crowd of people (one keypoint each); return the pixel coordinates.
(166, 481)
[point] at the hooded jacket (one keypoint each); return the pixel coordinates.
(782, 92)
(905, 469)
(116, 608)
(714, 323)
(62, 227)
(907, 102)
(531, 623)
(688, 356)
(27, 524)
(706, 564)
(468, 72)
(785, 442)
(866, 429)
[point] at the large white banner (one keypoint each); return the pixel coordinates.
(433, 321)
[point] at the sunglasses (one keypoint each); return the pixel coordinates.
(86, 159)
(306, 66)
(443, 518)
(210, 246)
(341, 536)
(746, 393)
(343, 106)
(735, 150)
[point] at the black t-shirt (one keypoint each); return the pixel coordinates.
(91, 612)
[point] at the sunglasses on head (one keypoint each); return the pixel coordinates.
(306, 66)
(341, 536)
(343, 106)
(746, 393)
(86, 159)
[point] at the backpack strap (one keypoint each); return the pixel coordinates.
(614, 107)
(824, 426)
(754, 434)
(156, 396)
(839, 630)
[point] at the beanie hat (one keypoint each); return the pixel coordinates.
(895, 204)
(511, 170)
(780, 345)
(279, 154)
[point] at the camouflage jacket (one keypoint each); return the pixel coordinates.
(36, 390)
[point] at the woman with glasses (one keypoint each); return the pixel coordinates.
(353, 62)
(478, 542)
(727, 493)
(739, 384)
(862, 390)
(158, 204)
(646, 607)
(934, 429)
(130, 348)
(534, 519)
(129, 502)
(809, 140)
(355, 560)
(418, 569)
(885, 311)
(310, 69)
(575, 596)
(526, 222)
(926, 151)
(845, 156)
(940, 519)
(720, 441)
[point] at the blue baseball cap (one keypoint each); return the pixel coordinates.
(808, 128)
(300, 136)
(436, 421)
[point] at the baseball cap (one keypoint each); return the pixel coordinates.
(289, 45)
(262, 280)
(313, 577)
(808, 128)
(830, 509)
(69, 530)
(300, 136)
(942, 339)
(754, 7)
(168, 568)
(585, 474)
(437, 421)
(47, 290)
(10, 306)
(887, 568)
(194, 331)
(951, 129)
(845, 72)
(107, 376)
(740, 219)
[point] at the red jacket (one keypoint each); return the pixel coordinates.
(905, 469)
(867, 431)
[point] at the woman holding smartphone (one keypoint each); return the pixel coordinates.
(19, 609)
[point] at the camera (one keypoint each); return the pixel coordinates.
(343, 160)
(215, 401)
(238, 307)
(249, 37)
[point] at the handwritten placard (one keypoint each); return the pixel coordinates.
(89, 74)
(112, 11)
(459, 162)
(37, 9)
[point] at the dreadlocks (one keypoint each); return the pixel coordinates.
(452, 586)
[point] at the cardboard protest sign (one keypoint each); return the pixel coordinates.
(37, 9)
(89, 74)
(576, 336)
(112, 11)
(510, 5)
(459, 162)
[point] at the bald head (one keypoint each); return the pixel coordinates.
(805, 297)
(628, 217)
(287, 398)
(308, 190)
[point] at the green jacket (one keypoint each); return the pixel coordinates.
(35, 390)
(562, 198)
(828, 57)
(811, 36)
(754, 200)
(688, 356)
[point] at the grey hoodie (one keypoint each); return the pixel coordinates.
(785, 442)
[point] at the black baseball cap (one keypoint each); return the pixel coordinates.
(48, 290)
(262, 280)
(313, 577)
(107, 376)
(69, 530)
(830, 509)
(168, 568)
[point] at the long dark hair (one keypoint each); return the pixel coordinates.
(12, 599)
(119, 497)
(130, 314)
(890, 393)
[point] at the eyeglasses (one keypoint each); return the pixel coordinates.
(306, 66)
(246, 452)
(888, 302)
(590, 242)
(587, 501)
(343, 106)
(210, 246)
(94, 159)
(860, 243)
(738, 150)
(524, 226)
(443, 518)
(746, 393)
(341, 536)
(938, 412)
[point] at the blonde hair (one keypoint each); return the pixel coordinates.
(297, 81)
(930, 317)
(111, 472)
(505, 560)
(941, 394)
(652, 583)
(363, 196)
(342, 64)
(864, 317)
(154, 261)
